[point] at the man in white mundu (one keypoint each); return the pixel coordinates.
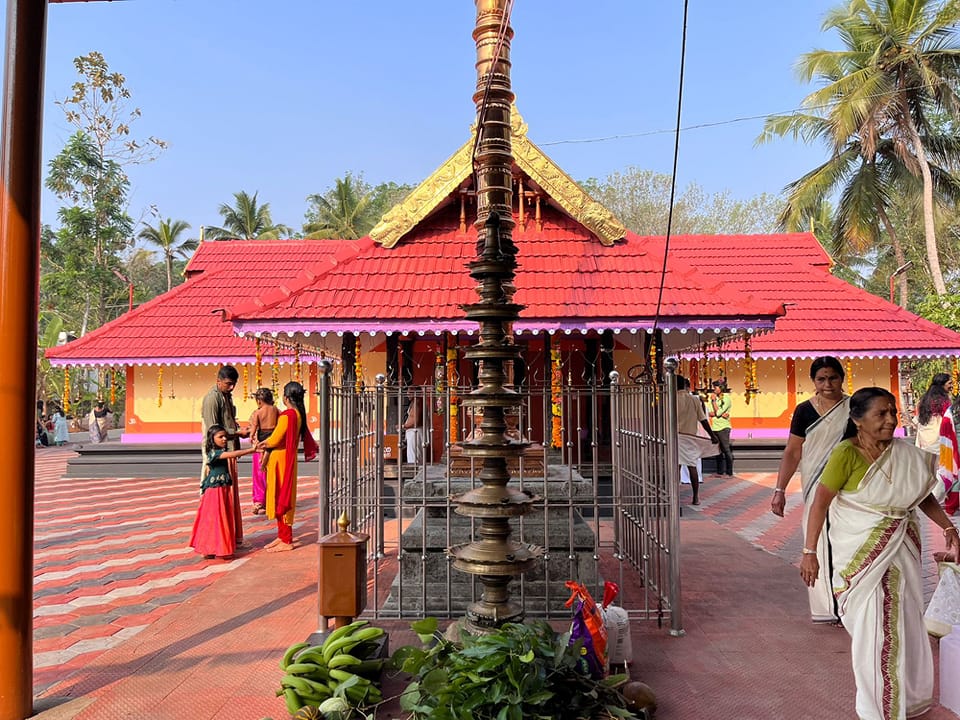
(690, 446)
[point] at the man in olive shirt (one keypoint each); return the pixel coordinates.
(719, 412)
(218, 409)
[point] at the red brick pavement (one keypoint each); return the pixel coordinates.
(206, 646)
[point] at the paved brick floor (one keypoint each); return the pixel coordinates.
(131, 624)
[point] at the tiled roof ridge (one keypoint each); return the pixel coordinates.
(346, 250)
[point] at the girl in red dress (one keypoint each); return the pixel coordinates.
(214, 532)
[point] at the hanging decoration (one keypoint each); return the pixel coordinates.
(358, 365)
(275, 373)
(556, 382)
(66, 390)
(694, 378)
(452, 381)
(296, 363)
(160, 386)
(749, 372)
(849, 376)
(115, 376)
(258, 367)
(439, 382)
(955, 375)
(246, 382)
(654, 370)
(706, 375)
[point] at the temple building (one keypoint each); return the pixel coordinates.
(596, 298)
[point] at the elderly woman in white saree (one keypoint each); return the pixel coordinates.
(818, 424)
(872, 487)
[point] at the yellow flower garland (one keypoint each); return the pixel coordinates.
(358, 366)
(66, 390)
(160, 386)
(258, 367)
(849, 377)
(452, 384)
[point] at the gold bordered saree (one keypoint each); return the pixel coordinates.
(822, 437)
(879, 585)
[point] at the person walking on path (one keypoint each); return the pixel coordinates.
(413, 429)
(263, 420)
(873, 485)
(214, 534)
(218, 409)
(720, 406)
(283, 442)
(816, 427)
(61, 435)
(98, 422)
(930, 411)
(690, 445)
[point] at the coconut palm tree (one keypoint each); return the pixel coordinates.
(166, 236)
(899, 66)
(343, 212)
(246, 220)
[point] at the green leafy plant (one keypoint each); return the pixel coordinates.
(518, 672)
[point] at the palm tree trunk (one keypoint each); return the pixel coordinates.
(929, 230)
(170, 273)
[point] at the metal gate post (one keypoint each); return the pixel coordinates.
(378, 433)
(324, 367)
(673, 489)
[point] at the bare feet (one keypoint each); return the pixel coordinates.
(696, 501)
(279, 547)
(271, 543)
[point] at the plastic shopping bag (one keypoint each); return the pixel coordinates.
(617, 623)
(943, 612)
(587, 628)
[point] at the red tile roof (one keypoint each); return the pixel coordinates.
(566, 280)
(185, 325)
(825, 315)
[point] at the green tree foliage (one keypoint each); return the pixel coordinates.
(640, 199)
(166, 236)
(246, 219)
(880, 93)
(351, 208)
(82, 257)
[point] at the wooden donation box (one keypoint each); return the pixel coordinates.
(343, 573)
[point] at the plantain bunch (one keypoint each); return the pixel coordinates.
(333, 677)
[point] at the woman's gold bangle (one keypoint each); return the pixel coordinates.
(948, 530)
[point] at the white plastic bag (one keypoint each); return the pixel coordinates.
(943, 612)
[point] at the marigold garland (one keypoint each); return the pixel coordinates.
(955, 374)
(358, 366)
(246, 383)
(849, 376)
(258, 367)
(160, 386)
(114, 378)
(439, 381)
(749, 372)
(296, 363)
(556, 388)
(66, 390)
(452, 380)
(275, 373)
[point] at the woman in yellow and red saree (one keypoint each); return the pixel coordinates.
(872, 487)
(283, 443)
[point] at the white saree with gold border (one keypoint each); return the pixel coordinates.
(878, 583)
(822, 437)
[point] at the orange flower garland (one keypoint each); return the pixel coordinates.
(296, 362)
(849, 377)
(556, 388)
(160, 386)
(275, 372)
(749, 372)
(113, 387)
(358, 366)
(246, 382)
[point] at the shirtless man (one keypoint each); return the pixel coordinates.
(263, 421)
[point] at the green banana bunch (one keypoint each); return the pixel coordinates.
(336, 669)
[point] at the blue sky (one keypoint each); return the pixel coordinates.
(283, 97)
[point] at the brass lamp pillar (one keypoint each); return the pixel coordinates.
(493, 557)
